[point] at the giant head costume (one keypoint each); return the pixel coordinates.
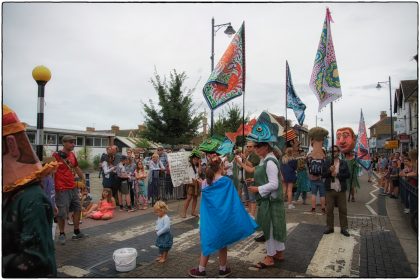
(346, 140)
(20, 164)
(317, 136)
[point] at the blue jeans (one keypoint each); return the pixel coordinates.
(316, 186)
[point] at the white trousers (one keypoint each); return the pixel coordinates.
(273, 245)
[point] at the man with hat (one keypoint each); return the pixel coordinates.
(67, 193)
(27, 216)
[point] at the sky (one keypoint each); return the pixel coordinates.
(102, 57)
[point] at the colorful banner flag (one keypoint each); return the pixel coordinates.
(227, 80)
(248, 127)
(293, 101)
(325, 82)
(361, 149)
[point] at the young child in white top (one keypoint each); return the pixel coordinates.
(164, 238)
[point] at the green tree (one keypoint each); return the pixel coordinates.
(175, 121)
(229, 120)
(143, 143)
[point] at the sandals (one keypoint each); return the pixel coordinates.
(194, 214)
(353, 200)
(323, 210)
(262, 265)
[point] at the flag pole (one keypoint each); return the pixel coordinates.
(285, 104)
(332, 139)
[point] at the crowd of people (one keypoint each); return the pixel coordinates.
(394, 168)
(239, 191)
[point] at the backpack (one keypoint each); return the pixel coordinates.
(315, 166)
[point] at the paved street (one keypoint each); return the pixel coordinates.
(374, 249)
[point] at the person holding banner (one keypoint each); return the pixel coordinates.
(193, 189)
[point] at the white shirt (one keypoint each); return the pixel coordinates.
(336, 184)
(273, 178)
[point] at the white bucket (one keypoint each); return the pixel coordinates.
(125, 259)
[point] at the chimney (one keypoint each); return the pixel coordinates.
(383, 115)
(115, 129)
(90, 129)
(141, 127)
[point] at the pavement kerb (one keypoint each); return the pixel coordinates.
(402, 228)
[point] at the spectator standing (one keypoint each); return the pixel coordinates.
(155, 167)
(67, 193)
(124, 191)
(302, 182)
(336, 191)
(395, 177)
(140, 186)
(130, 167)
(193, 189)
(108, 168)
(27, 214)
(288, 170)
(251, 160)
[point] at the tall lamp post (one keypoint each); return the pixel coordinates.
(378, 86)
(41, 75)
(228, 31)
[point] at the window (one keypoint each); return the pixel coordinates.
(50, 139)
(105, 142)
(31, 136)
(410, 123)
(97, 142)
(89, 141)
(80, 141)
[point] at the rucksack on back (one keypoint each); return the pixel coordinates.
(315, 166)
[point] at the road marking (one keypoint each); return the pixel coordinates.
(143, 229)
(333, 255)
(250, 251)
(374, 197)
(72, 271)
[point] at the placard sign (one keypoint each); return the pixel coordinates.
(178, 164)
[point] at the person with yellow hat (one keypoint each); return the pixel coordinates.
(27, 216)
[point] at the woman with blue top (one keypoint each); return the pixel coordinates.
(288, 170)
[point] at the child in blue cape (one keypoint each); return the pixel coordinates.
(223, 219)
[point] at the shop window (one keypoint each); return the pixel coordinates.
(89, 141)
(80, 141)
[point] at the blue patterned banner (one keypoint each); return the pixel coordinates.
(293, 101)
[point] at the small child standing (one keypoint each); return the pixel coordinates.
(164, 239)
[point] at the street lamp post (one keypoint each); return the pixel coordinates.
(229, 31)
(41, 75)
(378, 86)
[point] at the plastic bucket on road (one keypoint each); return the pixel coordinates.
(125, 259)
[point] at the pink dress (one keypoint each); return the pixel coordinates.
(97, 215)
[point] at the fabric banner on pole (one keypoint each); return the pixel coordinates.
(361, 149)
(293, 101)
(227, 80)
(325, 82)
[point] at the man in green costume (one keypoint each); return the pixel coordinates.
(346, 140)
(27, 217)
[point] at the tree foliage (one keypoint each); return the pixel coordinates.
(175, 120)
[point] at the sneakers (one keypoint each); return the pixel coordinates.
(329, 230)
(345, 232)
(291, 206)
(225, 273)
(406, 210)
(70, 222)
(79, 236)
(194, 272)
(62, 239)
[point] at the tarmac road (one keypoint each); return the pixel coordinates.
(309, 253)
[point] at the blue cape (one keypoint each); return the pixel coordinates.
(223, 218)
